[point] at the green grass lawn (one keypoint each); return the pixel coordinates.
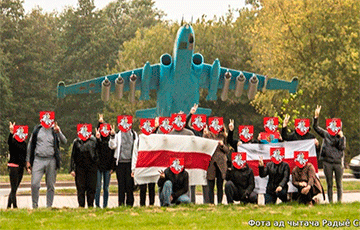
(182, 217)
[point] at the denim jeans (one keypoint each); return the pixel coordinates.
(166, 193)
(105, 176)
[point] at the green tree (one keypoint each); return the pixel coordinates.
(317, 41)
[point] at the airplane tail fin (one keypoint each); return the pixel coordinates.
(146, 113)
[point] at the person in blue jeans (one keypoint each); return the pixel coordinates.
(174, 184)
(106, 162)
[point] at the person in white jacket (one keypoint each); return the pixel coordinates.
(125, 145)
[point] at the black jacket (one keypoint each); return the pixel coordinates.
(233, 143)
(243, 179)
(179, 181)
(17, 151)
(294, 136)
(332, 149)
(279, 175)
(106, 160)
(84, 154)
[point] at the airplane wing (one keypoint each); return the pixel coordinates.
(214, 77)
(147, 78)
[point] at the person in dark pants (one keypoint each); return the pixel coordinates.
(332, 156)
(174, 184)
(84, 168)
(143, 187)
(217, 166)
(305, 180)
(124, 144)
(16, 163)
(106, 162)
(277, 186)
(240, 182)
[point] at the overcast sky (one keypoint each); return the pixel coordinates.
(174, 9)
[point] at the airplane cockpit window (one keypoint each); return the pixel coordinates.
(191, 39)
(183, 45)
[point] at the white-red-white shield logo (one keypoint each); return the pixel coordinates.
(333, 126)
(302, 126)
(147, 125)
(271, 124)
(84, 131)
(176, 165)
(277, 154)
(21, 132)
(165, 124)
(238, 160)
(246, 132)
(198, 121)
(124, 123)
(301, 158)
(105, 129)
(216, 124)
(178, 121)
(47, 119)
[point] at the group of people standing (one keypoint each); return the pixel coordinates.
(94, 159)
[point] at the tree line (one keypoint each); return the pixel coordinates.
(316, 41)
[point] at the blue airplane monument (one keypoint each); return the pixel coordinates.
(178, 80)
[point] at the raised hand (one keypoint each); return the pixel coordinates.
(261, 162)
(11, 127)
(194, 108)
(286, 120)
(56, 128)
(112, 132)
(162, 174)
(231, 125)
(157, 123)
(97, 133)
(101, 118)
(317, 111)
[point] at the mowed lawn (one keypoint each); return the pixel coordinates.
(186, 217)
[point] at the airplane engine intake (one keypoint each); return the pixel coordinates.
(165, 65)
(197, 63)
(253, 84)
(105, 89)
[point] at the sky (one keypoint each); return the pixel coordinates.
(175, 9)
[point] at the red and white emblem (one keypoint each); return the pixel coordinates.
(165, 124)
(333, 126)
(105, 129)
(216, 124)
(147, 125)
(198, 121)
(176, 165)
(302, 126)
(21, 132)
(84, 131)
(246, 132)
(178, 121)
(277, 154)
(301, 158)
(271, 124)
(238, 160)
(124, 123)
(47, 119)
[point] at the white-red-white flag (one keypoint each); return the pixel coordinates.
(254, 151)
(155, 152)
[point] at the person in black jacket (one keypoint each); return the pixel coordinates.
(173, 187)
(16, 164)
(105, 163)
(240, 184)
(277, 186)
(84, 169)
(332, 156)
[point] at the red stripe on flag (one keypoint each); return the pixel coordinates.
(254, 164)
(161, 158)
